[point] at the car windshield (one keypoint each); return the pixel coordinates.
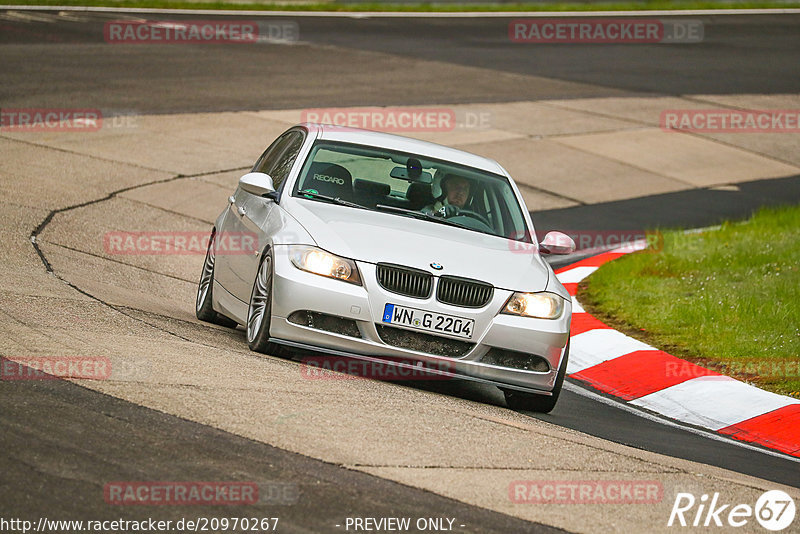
(412, 186)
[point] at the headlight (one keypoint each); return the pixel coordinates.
(317, 261)
(541, 305)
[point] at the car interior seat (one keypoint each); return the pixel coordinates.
(369, 193)
(330, 179)
(419, 195)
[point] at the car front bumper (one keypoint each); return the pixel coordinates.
(296, 291)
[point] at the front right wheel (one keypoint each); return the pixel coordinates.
(530, 402)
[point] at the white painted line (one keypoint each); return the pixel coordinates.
(633, 246)
(72, 17)
(573, 276)
(423, 14)
(22, 16)
(576, 306)
(713, 402)
(710, 402)
(578, 390)
(597, 346)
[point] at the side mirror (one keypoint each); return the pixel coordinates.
(557, 243)
(257, 183)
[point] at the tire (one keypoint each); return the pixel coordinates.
(203, 308)
(259, 311)
(530, 402)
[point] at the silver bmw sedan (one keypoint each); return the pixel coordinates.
(382, 248)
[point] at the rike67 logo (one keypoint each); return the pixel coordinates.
(774, 510)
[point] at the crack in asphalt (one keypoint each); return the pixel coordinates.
(42, 225)
(187, 323)
(172, 212)
(210, 182)
(688, 98)
(120, 262)
(91, 156)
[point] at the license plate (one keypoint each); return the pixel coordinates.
(428, 321)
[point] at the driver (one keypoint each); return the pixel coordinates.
(455, 193)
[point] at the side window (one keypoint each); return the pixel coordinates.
(277, 160)
(286, 158)
(269, 155)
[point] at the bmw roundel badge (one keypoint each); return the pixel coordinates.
(437, 266)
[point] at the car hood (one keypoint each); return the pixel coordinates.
(374, 237)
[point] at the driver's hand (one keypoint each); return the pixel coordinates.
(448, 211)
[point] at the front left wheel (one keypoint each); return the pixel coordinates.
(259, 312)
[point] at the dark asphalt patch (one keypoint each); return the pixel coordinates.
(67, 64)
(62, 444)
(693, 208)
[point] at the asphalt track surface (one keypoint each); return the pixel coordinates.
(66, 64)
(99, 439)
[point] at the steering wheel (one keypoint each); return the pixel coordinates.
(474, 215)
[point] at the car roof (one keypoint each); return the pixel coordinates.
(344, 134)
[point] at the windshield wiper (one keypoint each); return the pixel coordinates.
(337, 200)
(418, 215)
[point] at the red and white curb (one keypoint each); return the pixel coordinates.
(646, 377)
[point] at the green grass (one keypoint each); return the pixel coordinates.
(727, 299)
(301, 5)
